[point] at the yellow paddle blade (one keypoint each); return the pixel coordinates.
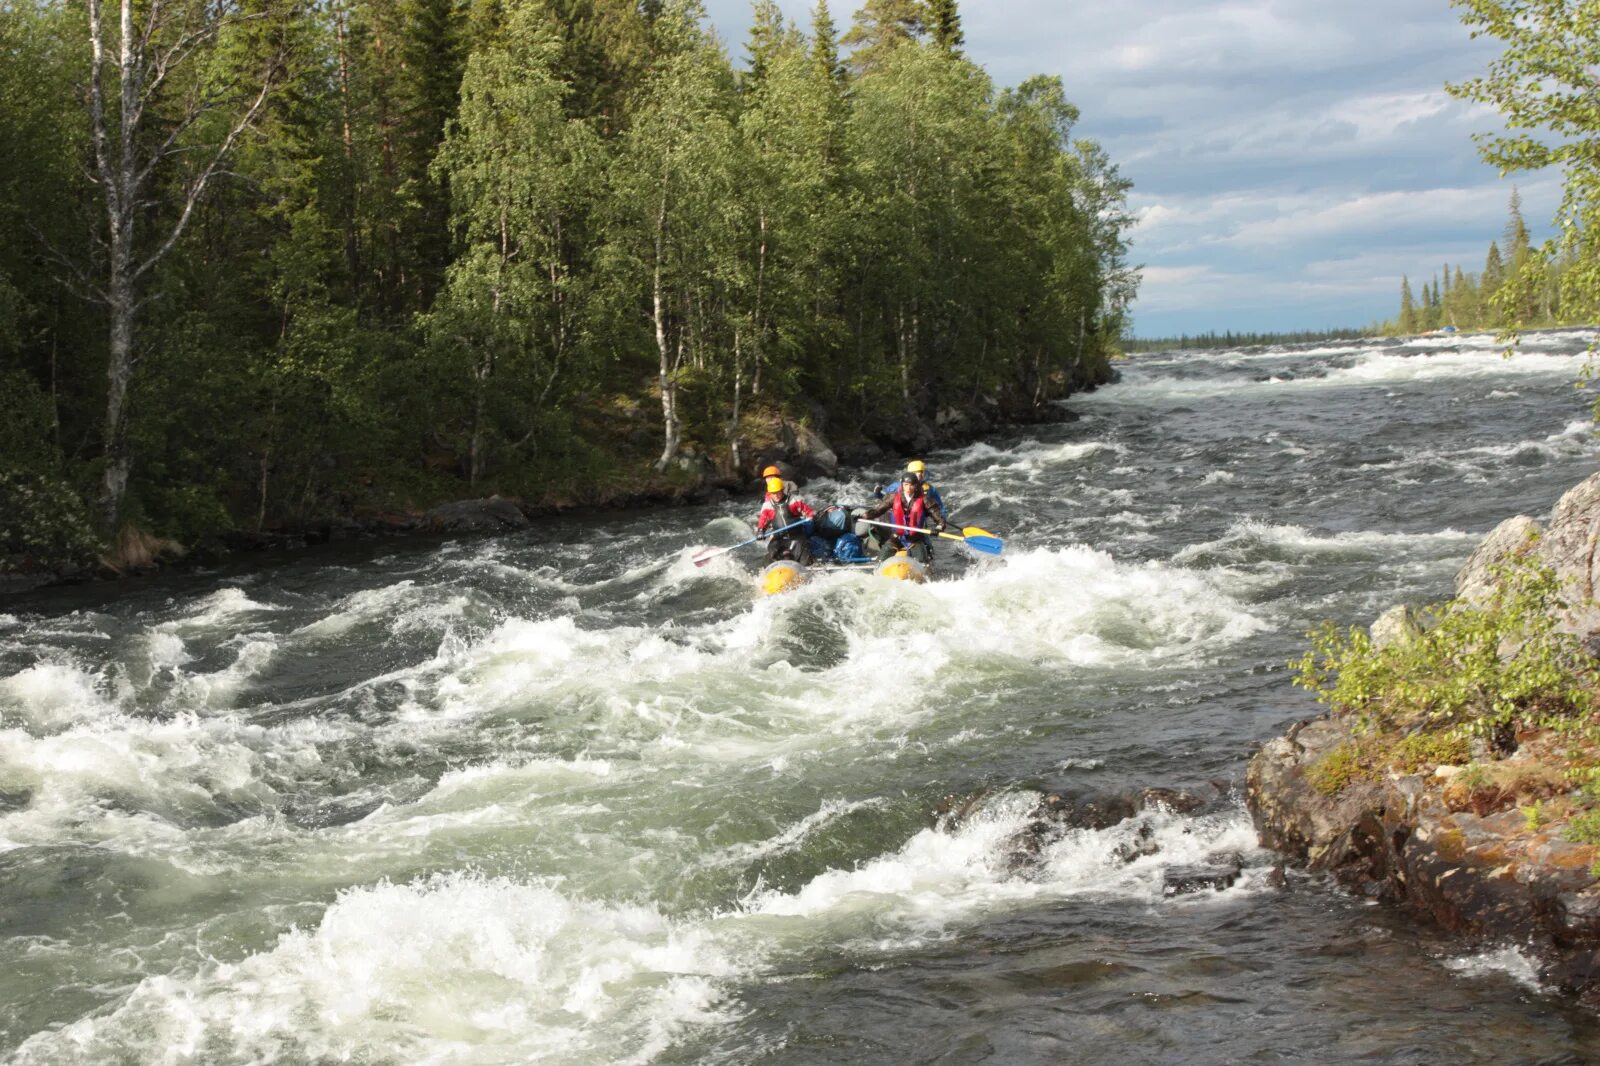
(974, 531)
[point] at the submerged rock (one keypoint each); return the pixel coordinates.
(1184, 880)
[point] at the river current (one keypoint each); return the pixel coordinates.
(562, 797)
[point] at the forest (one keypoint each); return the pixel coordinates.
(270, 263)
(1518, 288)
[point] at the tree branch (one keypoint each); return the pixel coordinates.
(197, 187)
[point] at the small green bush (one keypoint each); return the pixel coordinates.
(1584, 828)
(1476, 670)
(44, 524)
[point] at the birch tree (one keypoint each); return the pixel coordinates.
(521, 176)
(155, 104)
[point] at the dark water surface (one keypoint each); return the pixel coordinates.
(565, 798)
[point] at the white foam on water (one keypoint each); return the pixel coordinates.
(467, 966)
(1508, 961)
(1219, 477)
(442, 970)
(221, 608)
(1250, 539)
(51, 696)
(1371, 368)
(403, 607)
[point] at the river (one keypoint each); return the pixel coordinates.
(562, 797)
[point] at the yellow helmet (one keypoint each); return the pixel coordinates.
(775, 485)
(916, 466)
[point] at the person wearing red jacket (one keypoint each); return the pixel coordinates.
(784, 508)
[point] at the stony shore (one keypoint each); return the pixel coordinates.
(805, 449)
(1493, 861)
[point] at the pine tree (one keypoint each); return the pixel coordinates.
(880, 27)
(1516, 231)
(944, 26)
(1494, 271)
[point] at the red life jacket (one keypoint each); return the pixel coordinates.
(911, 518)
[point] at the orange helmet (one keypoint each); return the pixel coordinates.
(772, 471)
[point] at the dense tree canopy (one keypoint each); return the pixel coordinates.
(531, 246)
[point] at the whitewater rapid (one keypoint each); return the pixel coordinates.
(566, 797)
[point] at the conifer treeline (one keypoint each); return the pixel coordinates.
(1517, 288)
(533, 246)
(1237, 339)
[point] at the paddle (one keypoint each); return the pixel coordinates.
(979, 540)
(711, 553)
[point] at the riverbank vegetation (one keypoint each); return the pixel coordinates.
(1462, 686)
(1511, 669)
(1520, 287)
(271, 262)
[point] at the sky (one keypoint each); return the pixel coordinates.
(1291, 159)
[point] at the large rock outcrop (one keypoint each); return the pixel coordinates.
(1486, 868)
(1570, 545)
(1499, 876)
(493, 515)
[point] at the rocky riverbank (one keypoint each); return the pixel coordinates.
(806, 448)
(1490, 833)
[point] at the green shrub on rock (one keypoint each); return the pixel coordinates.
(1475, 669)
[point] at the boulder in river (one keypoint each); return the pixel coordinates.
(1570, 546)
(493, 515)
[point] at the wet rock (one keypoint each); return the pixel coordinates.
(860, 453)
(1185, 880)
(903, 434)
(1290, 815)
(1486, 876)
(1142, 845)
(14, 798)
(1170, 799)
(494, 515)
(807, 454)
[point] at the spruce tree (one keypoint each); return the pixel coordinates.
(1408, 307)
(825, 43)
(767, 39)
(944, 26)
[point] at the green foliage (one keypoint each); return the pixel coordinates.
(1418, 752)
(1542, 84)
(1337, 770)
(43, 523)
(1535, 816)
(461, 228)
(1584, 828)
(1476, 669)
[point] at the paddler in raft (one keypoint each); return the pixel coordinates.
(919, 468)
(784, 507)
(909, 509)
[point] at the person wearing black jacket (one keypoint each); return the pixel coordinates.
(909, 509)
